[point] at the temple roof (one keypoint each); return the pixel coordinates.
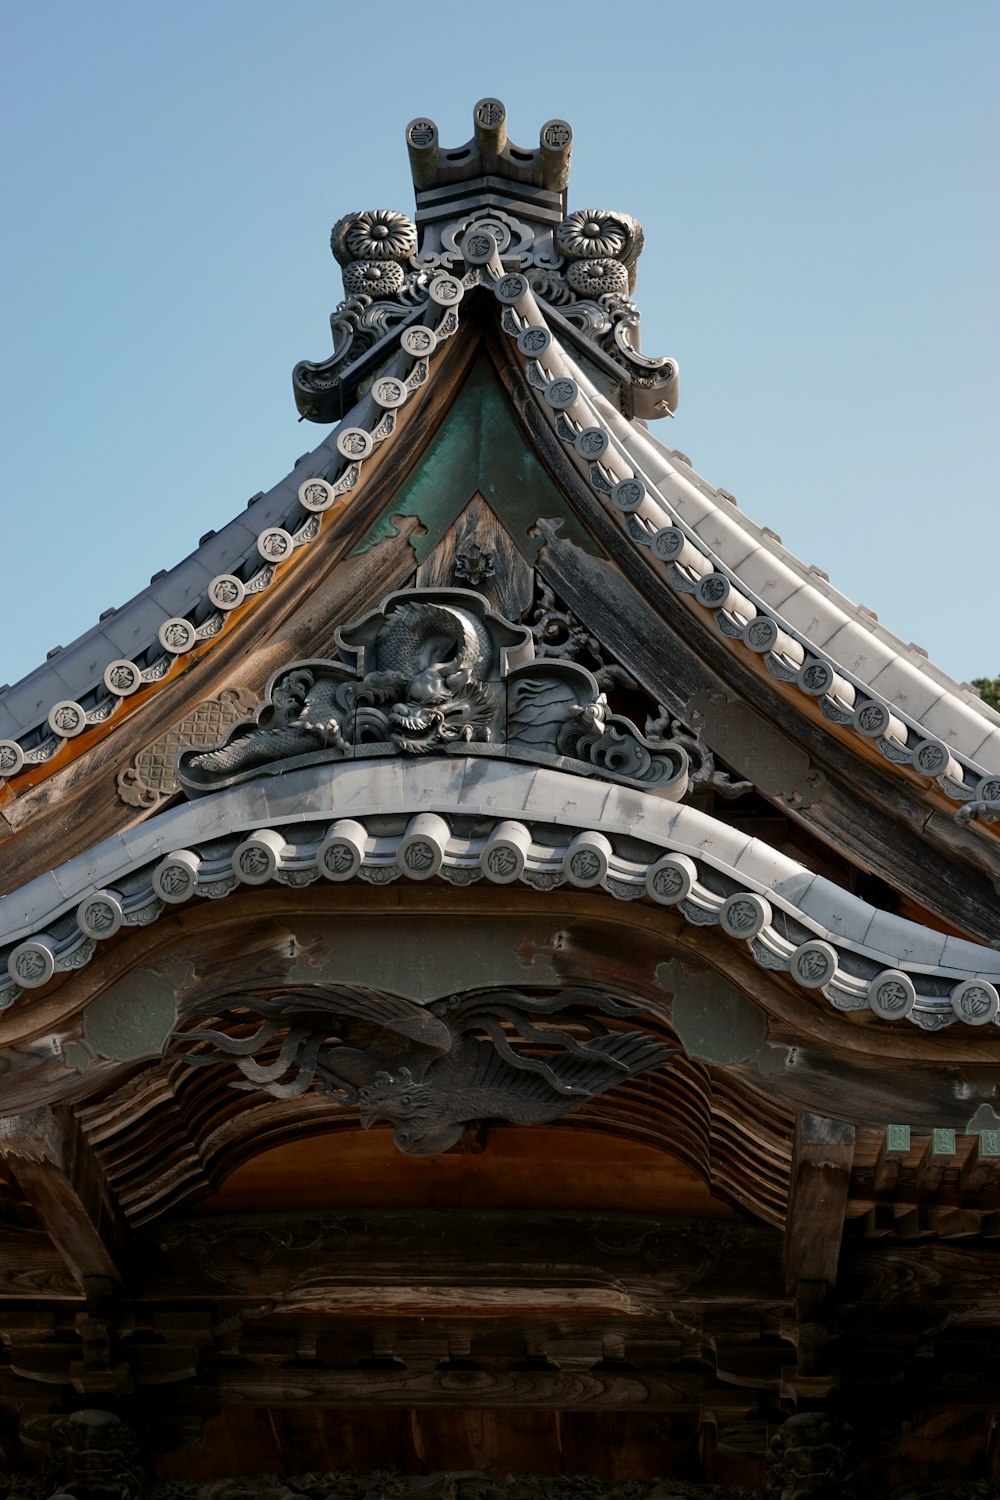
(492, 215)
(551, 290)
(493, 773)
(872, 663)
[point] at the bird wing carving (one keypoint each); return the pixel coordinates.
(335, 1040)
(429, 1071)
(509, 1063)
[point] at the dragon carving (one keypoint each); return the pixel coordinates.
(438, 671)
(430, 1071)
(426, 690)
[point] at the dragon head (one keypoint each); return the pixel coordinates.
(418, 1114)
(441, 705)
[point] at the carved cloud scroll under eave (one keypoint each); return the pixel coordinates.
(438, 672)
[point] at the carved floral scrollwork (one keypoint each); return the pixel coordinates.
(375, 248)
(594, 735)
(515, 240)
(598, 278)
(703, 771)
(593, 295)
(585, 266)
(557, 632)
(373, 278)
(474, 563)
(376, 307)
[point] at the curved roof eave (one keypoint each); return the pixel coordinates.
(763, 598)
(803, 596)
(790, 919)
(84, 685)
(76, 671)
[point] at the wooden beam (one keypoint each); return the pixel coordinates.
(818, 1195)
(551, 1389)
(892, 1153)
(817, 1199)
(939, 1154)
(32, 1270)
(61, 1179)
(424, 1263)
(935, 1274)
(981, 1167)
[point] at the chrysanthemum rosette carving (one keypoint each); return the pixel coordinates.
(373, 248)
(375, 234)
(373, 278)
(598, 278)
(597, 235)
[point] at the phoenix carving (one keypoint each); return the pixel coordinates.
(430, 1071)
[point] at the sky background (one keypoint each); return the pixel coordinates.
(817, 184)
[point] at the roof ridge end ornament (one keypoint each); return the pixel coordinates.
(580, 265)
(489, 153)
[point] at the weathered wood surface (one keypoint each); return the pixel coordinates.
(32, 1269)
(62, 1180)
(551, 1389)
(338, 1264)
(475, 1444)
(889, 1274)
(549, 1169)
(477, 553)
(818, 1194)
(448, 1264)
(383, 1312)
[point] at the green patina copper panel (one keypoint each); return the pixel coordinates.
(132, 1019)
(479, 446)
(713, 1020)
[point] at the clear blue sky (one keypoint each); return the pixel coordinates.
(818, 186)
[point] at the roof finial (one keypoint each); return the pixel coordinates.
(532, 181)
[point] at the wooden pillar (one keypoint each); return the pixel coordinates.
(817, 1203)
